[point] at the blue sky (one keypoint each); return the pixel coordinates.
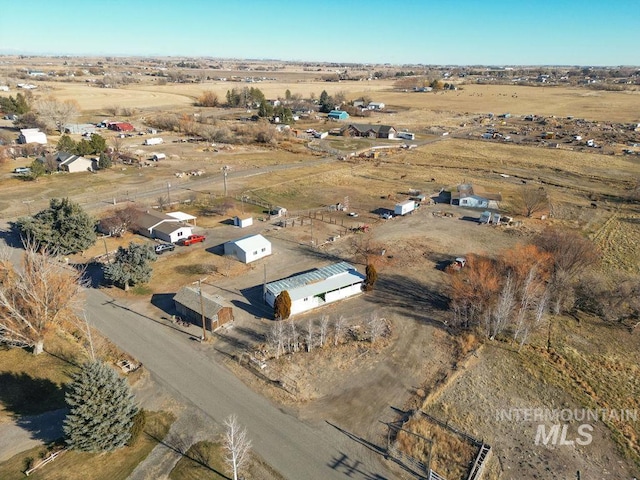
(462, 32)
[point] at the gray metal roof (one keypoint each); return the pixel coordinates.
(314, 276)
(190, 298)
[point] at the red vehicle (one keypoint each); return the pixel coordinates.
(191, 239)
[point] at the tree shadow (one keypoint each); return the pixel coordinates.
(198, 456)
(22, 394)
(408, 297)
(11, 236)
(45, 427)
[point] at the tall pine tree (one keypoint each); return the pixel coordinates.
(101, 409)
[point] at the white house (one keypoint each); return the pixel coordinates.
(318, 287)
(248, 249)
(243, 222)
(162, 226)
(375, 106)
(474, 196)
(32, 135)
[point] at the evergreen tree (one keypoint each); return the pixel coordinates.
(66, 144)
(131, 266)
(101, 409)
(326, 102)
(37, 170)
(104, 161)
(98, 143)
(282, 306)
(83, 147)
(63, 228)
(265, 109)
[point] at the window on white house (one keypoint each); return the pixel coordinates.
(264, 249)
(255, 253)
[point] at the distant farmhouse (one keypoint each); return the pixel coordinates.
(318, 287)
(68, 162)
(468, 195)
(372, 131)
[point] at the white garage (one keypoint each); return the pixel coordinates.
(248, 249)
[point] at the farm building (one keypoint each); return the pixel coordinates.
(243, 222)
(372, 131)
(375, 106)
(190, 302)
(468, 195)
(405, 207)
(338, 115)
(156, 157)
(120, 126)
(248, 249)
(153, 141)
(318, 287)
(32, 135)
(278, 211)
(79, 128)
(162, 226)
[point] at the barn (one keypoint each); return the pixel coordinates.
(372, 131)
(248, 249)
(317, 287)
(190, 302)
(32, 135)
(68, 162)
(338, 115)
(120, 126)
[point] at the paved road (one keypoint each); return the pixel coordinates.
(298, 450)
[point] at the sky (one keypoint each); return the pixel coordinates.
(443, 32)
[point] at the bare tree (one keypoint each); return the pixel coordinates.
(56, 113)
(35, 298)
(376, 327)
(294, 336)
(534, 200)
(237, 445)
(323, 330)
(339, 328)
(504, 308)
(310, 335)
(276, 338)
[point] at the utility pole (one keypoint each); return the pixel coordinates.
(204, 325)
(225, 170)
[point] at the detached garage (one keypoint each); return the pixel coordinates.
(189, 305)
(248, 249)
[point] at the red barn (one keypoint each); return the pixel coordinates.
(121, 127)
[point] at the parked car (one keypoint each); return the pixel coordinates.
(353, 214)
(386, 216)
(164, 247)
(22, 170)
(191, 239)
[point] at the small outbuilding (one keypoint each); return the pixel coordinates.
(248, 249)
(190, 302)
(405, 207)
(243, 222)
(74, 163)
(156, 157)
(79, 128)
